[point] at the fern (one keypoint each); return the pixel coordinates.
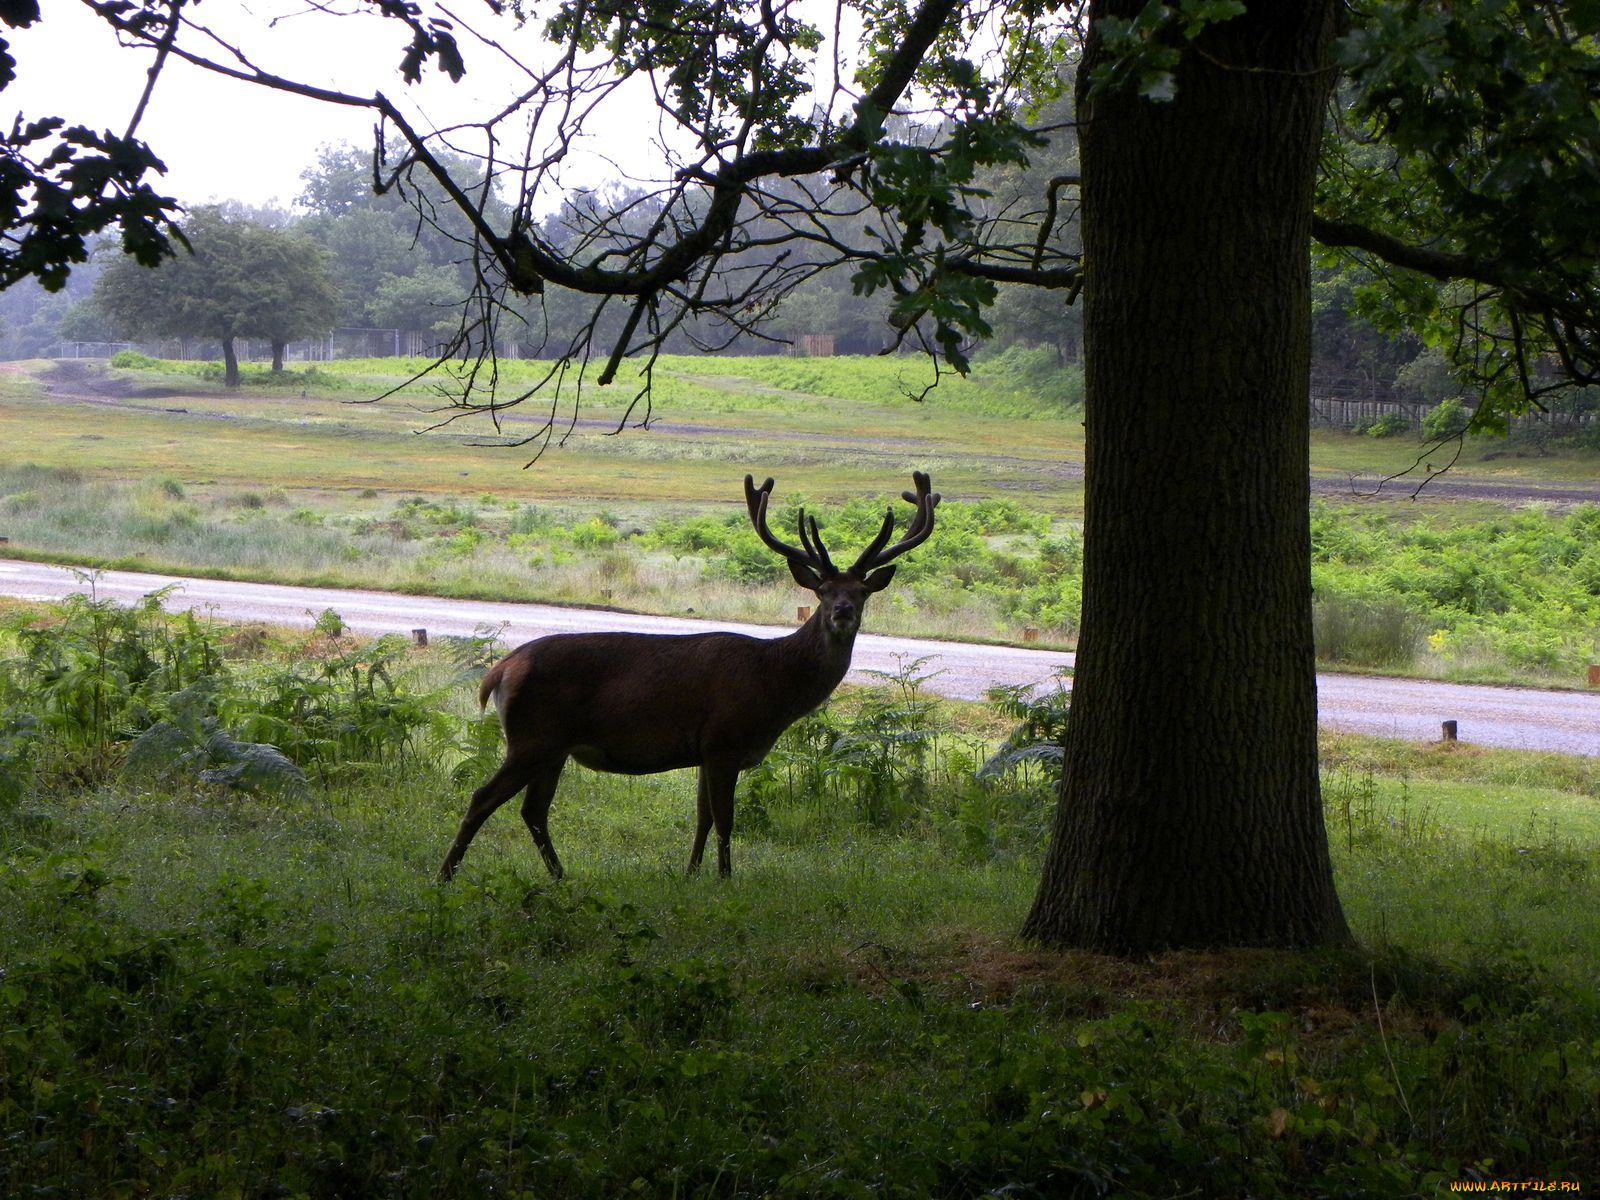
(1038, 736)
(471, 656)
(19, 737)
(190, 741)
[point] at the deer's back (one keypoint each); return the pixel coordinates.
(637, 703)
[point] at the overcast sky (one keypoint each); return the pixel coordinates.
(222, 139)
(219, 140)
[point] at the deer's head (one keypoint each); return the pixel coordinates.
(842, 595)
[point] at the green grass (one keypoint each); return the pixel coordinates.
(323, 437)
(286, 988)
(297, 482)
(224, 988)
(208, 991)
(1527, 818)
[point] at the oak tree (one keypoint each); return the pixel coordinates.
(239, 279)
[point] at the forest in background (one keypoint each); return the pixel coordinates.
(400, 281)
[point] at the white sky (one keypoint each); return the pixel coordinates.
(222, 139)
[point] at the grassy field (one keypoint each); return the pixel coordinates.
(224, 973)
(220, 981)
(849, 423)
(302, 479)
(710, 430)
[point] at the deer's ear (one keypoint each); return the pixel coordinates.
(804, 575)
(878, 580)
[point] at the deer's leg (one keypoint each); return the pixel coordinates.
(536, 813)
(514, 774)
(717, 784)
(702, 825)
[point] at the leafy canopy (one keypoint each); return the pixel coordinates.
(62, 185)
(242, 279)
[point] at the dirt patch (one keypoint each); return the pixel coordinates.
(1327, 997)
(89, 382)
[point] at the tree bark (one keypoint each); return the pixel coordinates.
(230, 363)
(1190, 810)
(278, 347)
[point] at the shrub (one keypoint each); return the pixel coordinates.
(1447, 419)
(530, 519)
(21, 502)
(1387, 425)
(1428, 379)
(746, 560)
(594, 534)
(696, 535)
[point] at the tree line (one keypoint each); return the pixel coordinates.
(349, 257)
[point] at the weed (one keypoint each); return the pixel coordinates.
(1365, 634)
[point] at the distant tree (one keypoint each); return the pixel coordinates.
(428, 299)
(402, 250)
(294, 294)
(242, 279)
(1023, 314)
(83, 321)
(365, 249)
(340, 182)
(32, 317)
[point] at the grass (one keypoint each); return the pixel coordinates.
(208, 988)
(1340, 455)
(275, 436)
(295, 480)
(207, 996)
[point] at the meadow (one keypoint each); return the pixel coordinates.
(309, 479)
(226, 969)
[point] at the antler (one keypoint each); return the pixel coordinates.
(916, 533)
(814, 557)
(812, 554)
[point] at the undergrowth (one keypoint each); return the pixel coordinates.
(212, 986)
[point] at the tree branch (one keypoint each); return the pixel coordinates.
(1446, 266)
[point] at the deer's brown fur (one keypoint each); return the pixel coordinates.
(638, 703)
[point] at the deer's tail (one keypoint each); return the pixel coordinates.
(491, 685)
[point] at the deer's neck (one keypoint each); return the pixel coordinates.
(812, 660)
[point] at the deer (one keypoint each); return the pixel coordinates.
(641, 703)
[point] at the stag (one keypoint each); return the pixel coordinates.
(638, 703)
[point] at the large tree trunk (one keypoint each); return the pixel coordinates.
(1190, 811)
(230, 363)
(278, 347)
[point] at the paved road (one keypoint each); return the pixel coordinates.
(1523, 718)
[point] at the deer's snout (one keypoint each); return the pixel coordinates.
(844, 614)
